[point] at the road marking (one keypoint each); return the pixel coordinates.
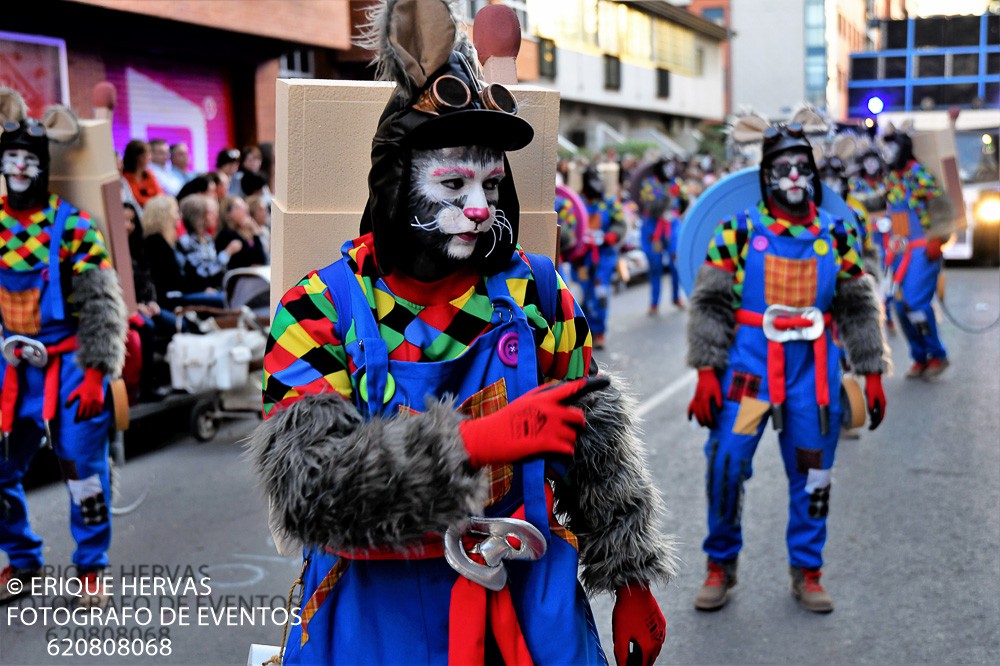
(666, 393)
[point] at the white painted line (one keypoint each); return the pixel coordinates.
(666, 393)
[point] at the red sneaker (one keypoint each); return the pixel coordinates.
(916, 371)
(16, 583)
(92, 591)
(935, 367)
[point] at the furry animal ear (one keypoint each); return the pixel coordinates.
(749, 128)
(411, 38)
(61, 124)
(12, 105)
(843, 147)
(811, 120)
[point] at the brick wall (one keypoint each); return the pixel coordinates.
(324, 24)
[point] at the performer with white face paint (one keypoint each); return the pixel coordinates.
(63, 325)
(431, 407)
(774, 281)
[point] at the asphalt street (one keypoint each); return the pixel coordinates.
(912, 559)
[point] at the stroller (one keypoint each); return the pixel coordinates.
(216, 355)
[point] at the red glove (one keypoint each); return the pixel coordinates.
(933, 248)
(707, 398)
(876, 399)
(540, 421)
(611, 238)
(90, 393)
(637, 627)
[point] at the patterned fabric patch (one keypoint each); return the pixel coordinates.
(807, 459)
(819, 503)
(21, 311)
(320, 594)
(483, 403)
(743, 385)
(94, 510)
(790, 282)
(900, 224)
(68, 469)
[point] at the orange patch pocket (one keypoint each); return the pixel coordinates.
(900, 223)
(790, 282)
(21, 311)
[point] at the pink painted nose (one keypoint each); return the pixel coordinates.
(477, 214)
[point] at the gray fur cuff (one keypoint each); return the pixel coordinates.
(611, 503)
(334, 479)
(102, 321)
(712, 323)
(858, 314)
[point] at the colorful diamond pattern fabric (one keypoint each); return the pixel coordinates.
(306, 350)
(25, 243)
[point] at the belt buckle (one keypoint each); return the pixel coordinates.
(32, 351)
(775, 312)
(494, 548)
(898, 244)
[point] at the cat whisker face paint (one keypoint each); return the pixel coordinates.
(453, 197)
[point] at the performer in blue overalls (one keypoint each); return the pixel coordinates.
(64, 336)
(867, 186)
(914, 252)
(650, 190)
(428, 411)
(595, 270)
(775, 280)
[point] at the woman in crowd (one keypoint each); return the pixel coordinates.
(135, 163)
(202, 265)
(239, 227)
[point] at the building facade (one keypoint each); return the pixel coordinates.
(184, 70)
(629, 71)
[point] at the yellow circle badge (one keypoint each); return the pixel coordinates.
(821, 247)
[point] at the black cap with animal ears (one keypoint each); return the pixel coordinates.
(19, 132)
(780, 139)
(439, 103)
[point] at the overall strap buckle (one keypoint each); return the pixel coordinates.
(17, 348)
(786, 324)
(495, 540)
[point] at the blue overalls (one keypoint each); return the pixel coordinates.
(916, 278)
(81, 447)
(397, 611)
(803, 269)
(599, 264)
(654, 245)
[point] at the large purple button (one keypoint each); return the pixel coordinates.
(508, 348)
(759, 243)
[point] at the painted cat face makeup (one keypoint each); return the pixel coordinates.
(23, 170)
(790, 180)
(453, 200)
(871, 165)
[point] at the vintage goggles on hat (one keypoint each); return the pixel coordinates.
(794, 130)
(449, 92)
(31, 127)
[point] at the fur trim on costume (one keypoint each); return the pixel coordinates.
(611, 503)
(857, 311)
(712, 323)
(103, 321)
(336, 480)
